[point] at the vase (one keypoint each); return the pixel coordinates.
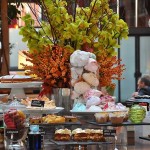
(62, 98)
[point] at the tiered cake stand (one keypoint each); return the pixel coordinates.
(17, 89)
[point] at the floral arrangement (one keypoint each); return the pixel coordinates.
(51, 65)
(110, 69)
(95, 29)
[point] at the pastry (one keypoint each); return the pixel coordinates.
(91, 92)
(80, 135)
(81, 87)
(93, 100)
(126, 117)
(101, 117)
(53, 119)
(92, 65)
(95, 135)
(94, 108)
(14, 119)
(47, 102)
(62, 135)
(76, 72)
(71, 119)
(116, 117)
(91, 79)
(107, 98)
(35, 120)
(50, 104)
(79, 107)
(79, 58)
(74, 95)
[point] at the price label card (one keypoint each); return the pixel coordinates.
(42, 131)
(11, 131)
(109, 133)
(37, 103)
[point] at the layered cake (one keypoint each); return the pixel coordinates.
(95, 135)
(80, 135)
(62, 135)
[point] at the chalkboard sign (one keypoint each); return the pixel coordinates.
(109, 133)
(37, 103)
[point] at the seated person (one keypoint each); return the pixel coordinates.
(143, 86)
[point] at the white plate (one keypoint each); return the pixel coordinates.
(43, 110)
(93, 112)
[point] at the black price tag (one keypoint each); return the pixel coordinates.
(37, 103)
(11, 131)
(109, 133)
(42, 131)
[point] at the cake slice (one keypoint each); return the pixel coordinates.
(62, 135)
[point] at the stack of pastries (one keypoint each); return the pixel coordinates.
(79, 134)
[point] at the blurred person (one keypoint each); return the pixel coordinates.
(143, 86)
(147, 6)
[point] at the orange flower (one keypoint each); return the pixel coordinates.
(110, 69)
(52, 65)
